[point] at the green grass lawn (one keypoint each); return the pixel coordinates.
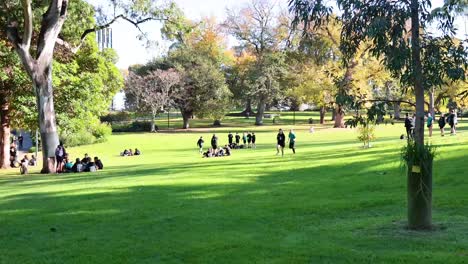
(332, 202)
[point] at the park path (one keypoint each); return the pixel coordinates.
(27, 144)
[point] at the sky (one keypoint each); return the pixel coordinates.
(132, 51)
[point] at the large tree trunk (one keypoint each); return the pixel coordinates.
(339, 117)
(260, 112)
(431, 102)
(186, 115)
(396, 110)
(323, 111)
(153, 119)
(47, 125)
(248, 108)
(39, 68)
(419, 184)
(4, 134)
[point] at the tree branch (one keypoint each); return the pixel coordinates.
(28, 24)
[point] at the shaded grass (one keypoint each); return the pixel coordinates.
(333, 202)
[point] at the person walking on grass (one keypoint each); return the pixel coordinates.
(451, 120)
(254, 138)
(442, 124)
(408, 126)
(430, 122)
(214, 142)
(230, 137)
(200, 144)
(244, 138)
(280, 139)
(292, 140)
(249, 139)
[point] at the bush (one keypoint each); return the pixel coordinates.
(136, 126)
(101, 132)
(116, 117)
(32, 150)
(78, 138)
(366, 134)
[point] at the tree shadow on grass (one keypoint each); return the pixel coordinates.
(332, 213)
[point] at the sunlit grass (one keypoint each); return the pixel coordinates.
(333, 202)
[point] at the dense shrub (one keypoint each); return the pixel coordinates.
(101, 132)
(136, 126)
(79, 138)
(116, 117)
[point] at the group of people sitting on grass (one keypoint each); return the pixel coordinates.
(84, 165)
(65, 165)
(129, 152)
(451, 119)
(26, 161)
(217, 152)
(248, 139)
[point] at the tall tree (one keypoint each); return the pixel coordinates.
(257, 28)
(399, 34)
(154, 91)
(37, 61)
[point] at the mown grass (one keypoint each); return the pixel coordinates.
(333, 202)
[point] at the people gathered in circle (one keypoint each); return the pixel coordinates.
(234, 142)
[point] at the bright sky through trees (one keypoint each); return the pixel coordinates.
(132, 51)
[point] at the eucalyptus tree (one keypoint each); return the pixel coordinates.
(20, 25)
(399, 33)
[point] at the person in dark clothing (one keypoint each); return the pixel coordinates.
(200, 144)
(20, 140)
(77, 167)
(214, 142)
(249, 140)
(442, 124)
(230, 137)
(13, 157)
(237, 139)
(90, 165)
(408, 126)
(85, 159)
(292, 140)
(98, 163)
(59, 157)
(254, 139)
(281, 141)
(137, 152)
(227, 150)
(244, 138)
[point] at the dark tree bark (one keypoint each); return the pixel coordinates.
(339, 117)
(4, 134)
(333, 114)
(186, 115)
(248, 108)
(260, 112)
(419, 184)
(323, 111)
(396, 110)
